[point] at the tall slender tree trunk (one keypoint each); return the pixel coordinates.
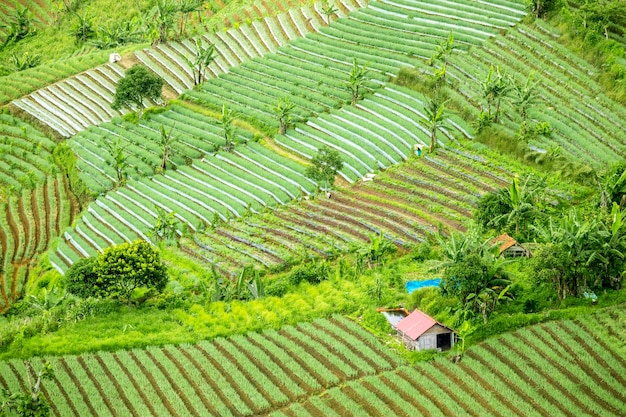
(497, 110)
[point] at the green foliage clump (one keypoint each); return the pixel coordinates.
(376, 253)
(595, 30)
(325, 166)
(541, 7)
(30, 403)
(514, 210)
(582, 253)
(612, 184)
(118, 271)
(137, 84)
(82, 279)
(66, 159)
(20, 25)
(313, 273)
(492, 209)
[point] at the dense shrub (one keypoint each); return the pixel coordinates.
(118, 272)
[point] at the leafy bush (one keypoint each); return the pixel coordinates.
(137, 84)
(423, 252)
(119, 271)
(313, 273)
(492, 209)
(82, 279)
(277, 288)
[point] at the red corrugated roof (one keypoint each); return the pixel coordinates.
(415, 324)
(505, 241)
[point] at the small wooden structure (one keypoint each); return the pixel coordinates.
(509, 247)
(419, 331)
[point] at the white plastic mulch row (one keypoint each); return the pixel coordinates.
(84, 100)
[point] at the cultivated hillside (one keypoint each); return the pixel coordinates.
(334, 367)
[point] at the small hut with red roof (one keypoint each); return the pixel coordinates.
(509, 247)
(419, 331)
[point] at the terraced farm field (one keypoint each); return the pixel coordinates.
(313, 70)
(74, 104)
(221, 14)
(243, 375)
(27, 225)
(420, 197)
(41, 13)
(216, 188)
(558, 368)
(25, 155)
(18, 84)
(254, 178)
(587, 125)
(378, 133)
(333, 367)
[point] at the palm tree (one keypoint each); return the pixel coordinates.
(612, 186)
(521, 199)
(442, 53)
(572, 244)
(117, 151)
(164, 13)
(357, 78)
(186, 7)
(167, 142)
(20, 24)
(328, 9)
(455, 247)
(202, 59)
(495, 87)
(229, 129)
(434, 120)
(83, 29)
(609, 256)
(525, 97)
(282, 111)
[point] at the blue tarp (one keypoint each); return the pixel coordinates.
(416, 285)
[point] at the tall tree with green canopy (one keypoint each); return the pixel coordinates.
(118, 271)
(131, 265)
(82, 279)
(325, 166)
(137, 84)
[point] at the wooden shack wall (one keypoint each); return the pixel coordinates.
(428, 340)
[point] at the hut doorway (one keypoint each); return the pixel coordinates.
(444, 341)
